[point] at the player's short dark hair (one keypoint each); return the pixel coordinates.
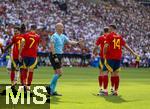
(22, 28)
(106, 29)
(33, 27)
(113, 26)
(17, 28)
(44, 29)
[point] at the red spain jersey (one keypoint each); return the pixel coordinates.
(16, 40)
(115, 42)
(100, 42)
(31, 45)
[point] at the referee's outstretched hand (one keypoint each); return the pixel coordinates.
(81, 42)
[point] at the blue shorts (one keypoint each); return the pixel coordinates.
(29, 62)
(112, 65)
(16, 64)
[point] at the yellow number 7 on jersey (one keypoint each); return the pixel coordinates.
(33, 40)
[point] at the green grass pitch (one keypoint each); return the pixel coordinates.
(79, 87)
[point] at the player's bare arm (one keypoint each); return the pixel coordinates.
(7, 47)
(105, 49)
(80, 42)
(73, 42)
(129, 49)
(52, 50)
(21, 47)
(95, 49)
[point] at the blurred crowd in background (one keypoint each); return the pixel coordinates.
(82, 19)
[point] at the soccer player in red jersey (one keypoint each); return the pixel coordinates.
(103, 74)
(16, 50)
(113, 55)
(29, 55)
(23, 70)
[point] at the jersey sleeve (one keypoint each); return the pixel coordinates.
(123, 42)
(39, 39)
(66, 39)
(52, 39)
(13, 40)
(98, 41)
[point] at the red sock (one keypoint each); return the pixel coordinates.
(100, 80)
(12, 75)
(23, 76)
(112, 81)
(105, 77)
(116, 82)
(30, 77)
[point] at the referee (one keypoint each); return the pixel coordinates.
(57, 42)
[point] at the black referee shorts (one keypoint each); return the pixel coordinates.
(56, 61)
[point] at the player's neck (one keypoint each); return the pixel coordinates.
(59, 33)
(114, 31)
(32, 31)
(106, 33)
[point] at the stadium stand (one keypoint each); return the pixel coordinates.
(82, 19)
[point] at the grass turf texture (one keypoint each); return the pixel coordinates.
(79, 87)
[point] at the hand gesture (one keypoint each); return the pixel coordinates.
(81, 42)
(93, 56)
(136, 55)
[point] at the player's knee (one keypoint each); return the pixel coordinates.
(100, 73)
(58, 71)
(116, 73)
(31, 70)
(112, 74)
(13, 70)
(105, 73)
(60, 75)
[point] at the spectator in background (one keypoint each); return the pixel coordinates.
(1, 43)
(137, 62)
(82, 19)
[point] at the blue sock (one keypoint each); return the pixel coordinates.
(54, 82)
